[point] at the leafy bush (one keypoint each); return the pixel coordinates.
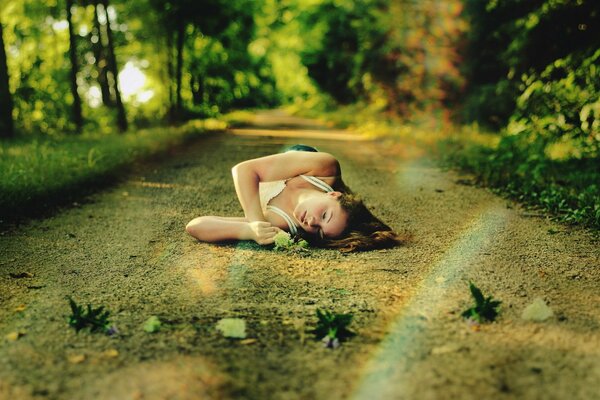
(562, 101)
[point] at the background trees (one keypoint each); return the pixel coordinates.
(528, 66)
(6, 122)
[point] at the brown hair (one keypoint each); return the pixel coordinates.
(364, 230)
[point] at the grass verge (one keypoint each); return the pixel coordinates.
(39, 173)
(568, 189)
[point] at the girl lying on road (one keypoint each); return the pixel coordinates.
(301, 192)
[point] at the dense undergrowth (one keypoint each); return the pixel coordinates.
(38, 173)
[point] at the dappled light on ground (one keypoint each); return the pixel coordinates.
(304, 134)
(384, 374)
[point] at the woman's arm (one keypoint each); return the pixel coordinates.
(218, 229)
(247, 175)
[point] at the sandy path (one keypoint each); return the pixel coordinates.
(125, 248)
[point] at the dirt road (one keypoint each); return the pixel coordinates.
(126, 249)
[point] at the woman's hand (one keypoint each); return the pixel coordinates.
(261, 232)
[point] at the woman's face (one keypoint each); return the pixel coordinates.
(322, 215)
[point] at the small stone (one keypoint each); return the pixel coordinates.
(537, 311)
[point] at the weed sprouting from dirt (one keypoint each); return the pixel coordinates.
(485, 308)
(96, 319)
(332, 328)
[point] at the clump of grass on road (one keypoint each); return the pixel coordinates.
(332, 328)
(485, 308)
(96, 319)
(49, 169)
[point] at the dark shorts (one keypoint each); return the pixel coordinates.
(301, 147)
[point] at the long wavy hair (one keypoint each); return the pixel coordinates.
(364, 231)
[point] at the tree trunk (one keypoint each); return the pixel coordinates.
(171, 76)
(77, 116)
(197, 85)
(6, 105)
(121, 118)
(101, 62)
(178, 72)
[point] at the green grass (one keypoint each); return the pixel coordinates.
(568, 189)
(39, 172)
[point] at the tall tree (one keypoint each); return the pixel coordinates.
(100, 56)
(6, 105)
(121, 117)
(179, 67)
(76, 110)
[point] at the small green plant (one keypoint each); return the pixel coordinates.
(96, 319)
(332, 328)
(485, 309)
(152, 324)
(285, 242)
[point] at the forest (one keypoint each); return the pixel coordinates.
(77, 75)
(455, 257)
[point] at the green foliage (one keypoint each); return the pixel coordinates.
(514, 44)
(563, 101)
(484, 310)
(41, 171)
(332, 328)
(375, 50)
(152, 324)
(218, 72)
(284, 242)
(566, 188)
(96, 319)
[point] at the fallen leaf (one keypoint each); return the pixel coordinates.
(14, 336)
(20, 308)
(248, 341)
(110, 353)
(232, 328)
(76, 358)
